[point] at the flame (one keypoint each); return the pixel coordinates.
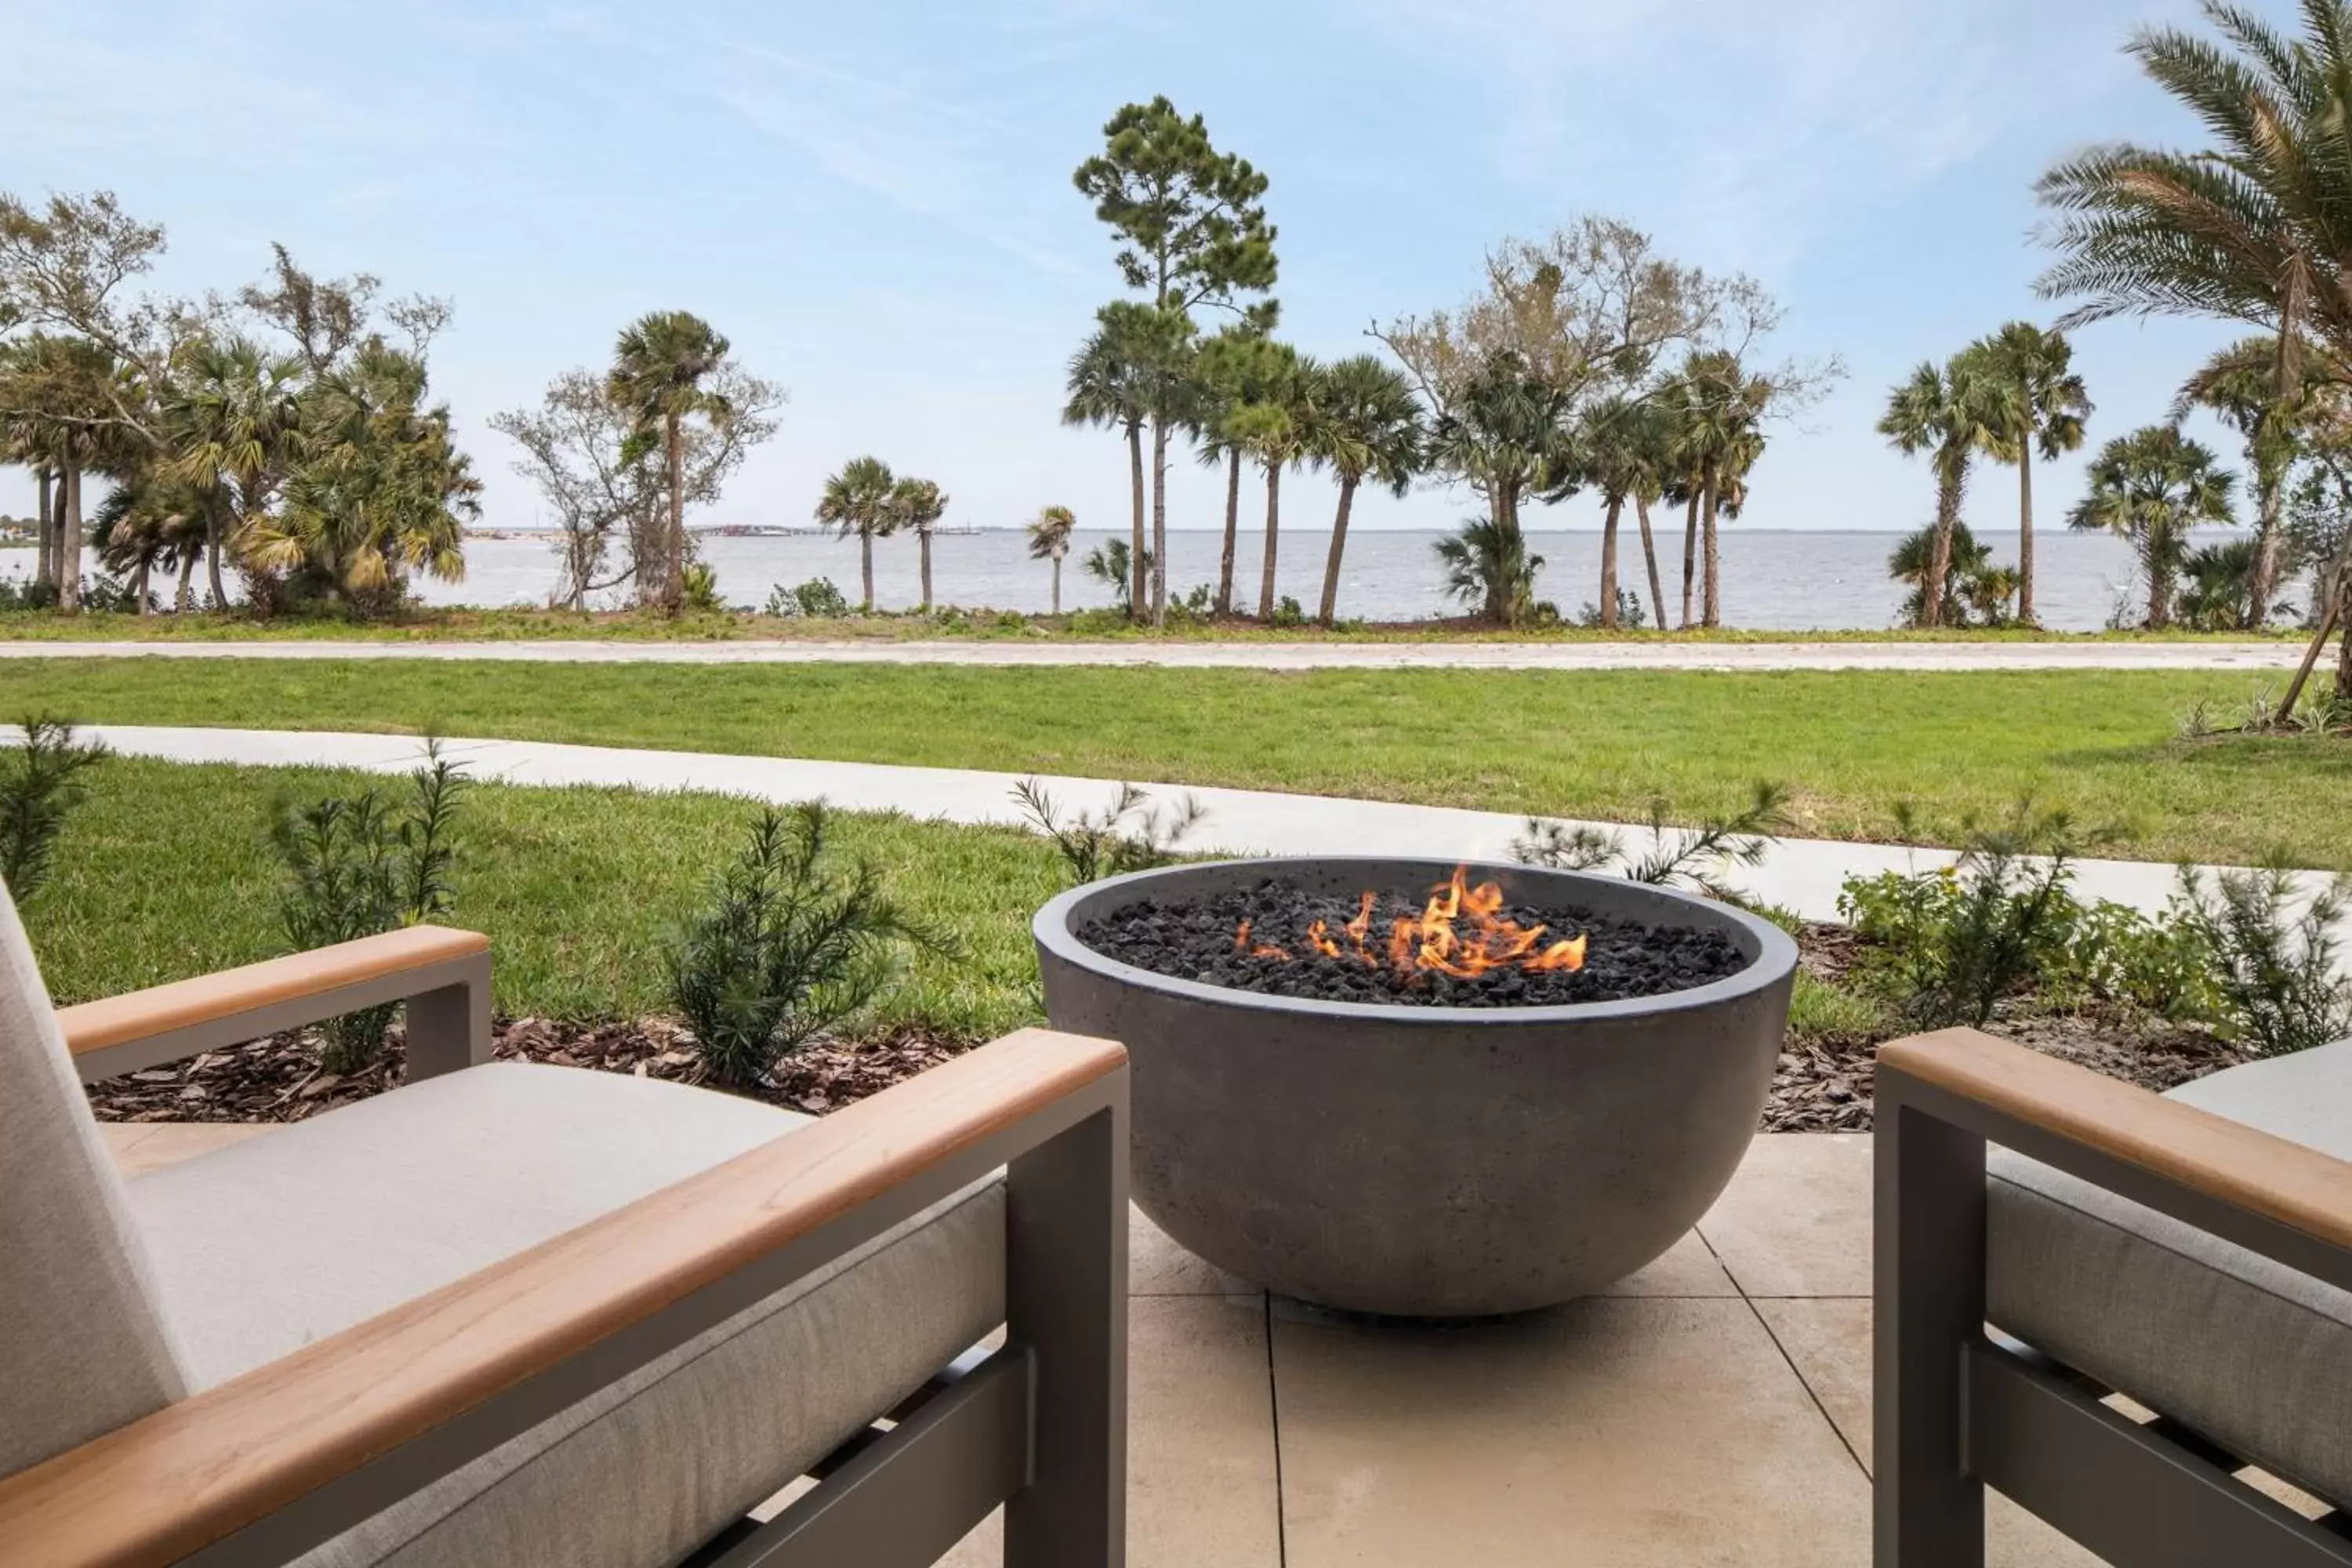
(1461, 930)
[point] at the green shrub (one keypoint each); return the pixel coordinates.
(40, 785)
(357, 866)
(2274, 966)
(1097, 621)
(1955, 943)
(1288, 611)
(788, 948)
(817, 598)
(1130, 836)
(699, 588)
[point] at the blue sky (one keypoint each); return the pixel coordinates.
(873, 201)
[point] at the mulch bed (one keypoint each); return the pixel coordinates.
(1823, 1084)
(279, 1079)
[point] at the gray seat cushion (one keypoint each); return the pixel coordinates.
(2253, 1353)
(270, 1244)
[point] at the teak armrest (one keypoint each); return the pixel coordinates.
(443, 975)
(2240, 1166)
(493, 1353)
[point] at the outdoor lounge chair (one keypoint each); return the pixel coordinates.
(2192, 1252)
(514, 1314)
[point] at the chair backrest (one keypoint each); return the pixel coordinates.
(84, 1346)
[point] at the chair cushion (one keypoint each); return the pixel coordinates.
(270, 1244)
(2253, 1353)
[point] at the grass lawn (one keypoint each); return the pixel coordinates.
(522, 625)
(1855, 746)
(166, 873)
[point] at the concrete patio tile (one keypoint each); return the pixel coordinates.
(169, 1142)
(1796, 1219)
(1688, 1268)
(1201, 1462)
(1157, 1265)
(1622, 1431)
(1829, 1340)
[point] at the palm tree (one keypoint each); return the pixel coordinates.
(1275, 429)
(1228, 374)
(1646, 446)
(2151, 487)
(146, 521)
(2239, 384)
(1718, 409)
(1365, 422)
(2218, 591)
(1941, 411)
(661, 369)
(1973, 585)
(1049, 540)
(1488, 568)
(235, 421)
(2032, 399)
(72, 386)
(2249, 229)
(1506, 431)
(918, 504)
(858, 503)
(1611, 459)
(1107, 386)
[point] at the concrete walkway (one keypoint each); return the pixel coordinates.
(1800, 874)
(2174, 656)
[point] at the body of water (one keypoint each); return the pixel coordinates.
(1771, 580)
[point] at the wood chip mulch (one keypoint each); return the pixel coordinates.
(279, 1078)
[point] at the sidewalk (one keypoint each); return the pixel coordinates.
(1801, 874)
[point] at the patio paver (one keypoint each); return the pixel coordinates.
(1713, 1409)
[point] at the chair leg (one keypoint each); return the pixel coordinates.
(1929, 1294)
(1066, 1301)
(449, 1026)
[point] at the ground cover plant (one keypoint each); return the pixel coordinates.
(40, 787)
(1596, 744)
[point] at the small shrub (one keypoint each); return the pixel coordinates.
(699, 588)
(1630, 616)
(1097, 623)
(2275, 971)
(1688, 856)
(40, 785)
(1955, 943)
(789, 947)
(359, 866)
(817, 598)
(28, 593)
(1010, 621)
(1288, 611)
(1130, 836)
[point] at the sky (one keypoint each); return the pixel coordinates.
(873, 202)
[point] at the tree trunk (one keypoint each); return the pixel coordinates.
(866, 566)
(69, 546)
(2026, 533)
(1273, 530)
(923, 540)
(138, 584)
(1058, 584)
(2266, 555)
(1232, 523)
(1690, 553)
(1711, 610)
(1137, 595)
(213, 558)
(674, 568)
(2159, 588)
(1158, 522)
(1609, 562)
(46, 530)
(1650, 559)
(1339, 544)
(181, 600)
(1949, 488)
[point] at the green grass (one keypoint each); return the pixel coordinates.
(519, 624)
(166, 873)
(1854, 745)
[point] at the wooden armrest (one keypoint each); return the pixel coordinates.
(2242, 1166)
(261, 998)
(197, 1470)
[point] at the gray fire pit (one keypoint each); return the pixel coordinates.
(1435, 1162)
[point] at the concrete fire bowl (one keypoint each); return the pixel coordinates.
(1427, 1162)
